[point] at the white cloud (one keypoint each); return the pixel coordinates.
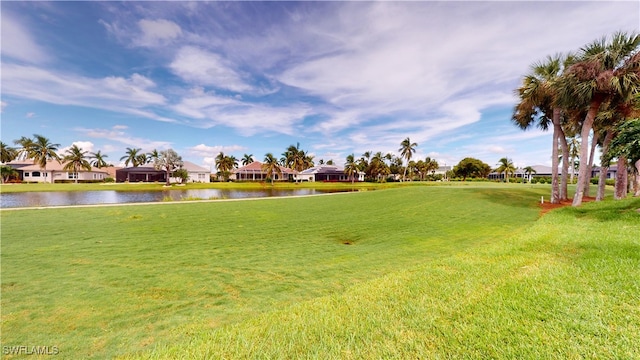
(18, 43)
(2, 106)
(29, 115)
(83, 145)
(128, 95)
(157, 32)
(118, 135)
(201, 67)
(206, 150)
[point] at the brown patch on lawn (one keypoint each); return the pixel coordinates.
(547, 206)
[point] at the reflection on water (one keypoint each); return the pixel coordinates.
(31, 199)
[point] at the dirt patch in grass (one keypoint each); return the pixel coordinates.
(547, 206)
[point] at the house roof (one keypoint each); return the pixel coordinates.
(191, 167)
(51, 166)
(256, 167)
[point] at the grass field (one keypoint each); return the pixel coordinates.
(412, 272)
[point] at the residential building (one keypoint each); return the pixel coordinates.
(327, 173)
(254, 172)
(54, 171)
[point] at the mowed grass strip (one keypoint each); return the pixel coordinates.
(102, 282)
(567, 288)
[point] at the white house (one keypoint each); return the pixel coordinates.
(196, 173)
(54, 172)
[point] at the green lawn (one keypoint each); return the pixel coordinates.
(411, 272)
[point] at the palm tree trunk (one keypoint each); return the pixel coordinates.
(564, 179)
(168, 183)
(636, 184)
(555, 190)
(604, 168)
(594, 143)
(622, 176)
(587, 125)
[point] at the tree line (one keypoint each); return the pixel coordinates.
(592, 93)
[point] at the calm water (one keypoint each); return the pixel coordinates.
(30, 199)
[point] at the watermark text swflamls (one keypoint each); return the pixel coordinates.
(30, 350)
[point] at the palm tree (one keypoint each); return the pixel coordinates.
(538, 105)
(604, 69)
(351, 167)
(7, 153)
(152, 157)
(26, 144)
(529, 171)
(42, 150)
(133, 156)
(574, 153)
(98, 159)
(75, 158)
(505, 167)
(247, 159)
(271, 166)
(407, 149)
(626, 147)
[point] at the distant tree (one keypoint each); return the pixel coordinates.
(7, 153)
(247, 159)
(271, 166)
(7, 172)
(224, 164)
(626, 147)
(330, 162)
(529, 171)
(470, 167)
(506, 167)
(133, 157)
(407, 149)
(152, 156)
(98, 159)
(169, 161)
(351, 167)
(26, 144)
(181, 174)
(75, 158)
(321, 162)
(42, 150)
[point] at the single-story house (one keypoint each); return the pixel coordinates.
(140, 174)
(254, 172)
(196, 173)
(326, 173)
(30, 172)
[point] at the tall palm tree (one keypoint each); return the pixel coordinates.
(22, 153)
(529, 171)
(407, 149)
(538, 104)
(574, 156)
(604, 69)
(7, 153)
(247, 159)
(43, 150)
(152, 157)
(133, 157)
(626, 147)
(351, 167)
(506, 167)
(98, 159)
(75, 159)
(271, 166)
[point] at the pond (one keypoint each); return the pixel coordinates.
(63, 198)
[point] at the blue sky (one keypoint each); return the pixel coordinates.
(256, 77)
